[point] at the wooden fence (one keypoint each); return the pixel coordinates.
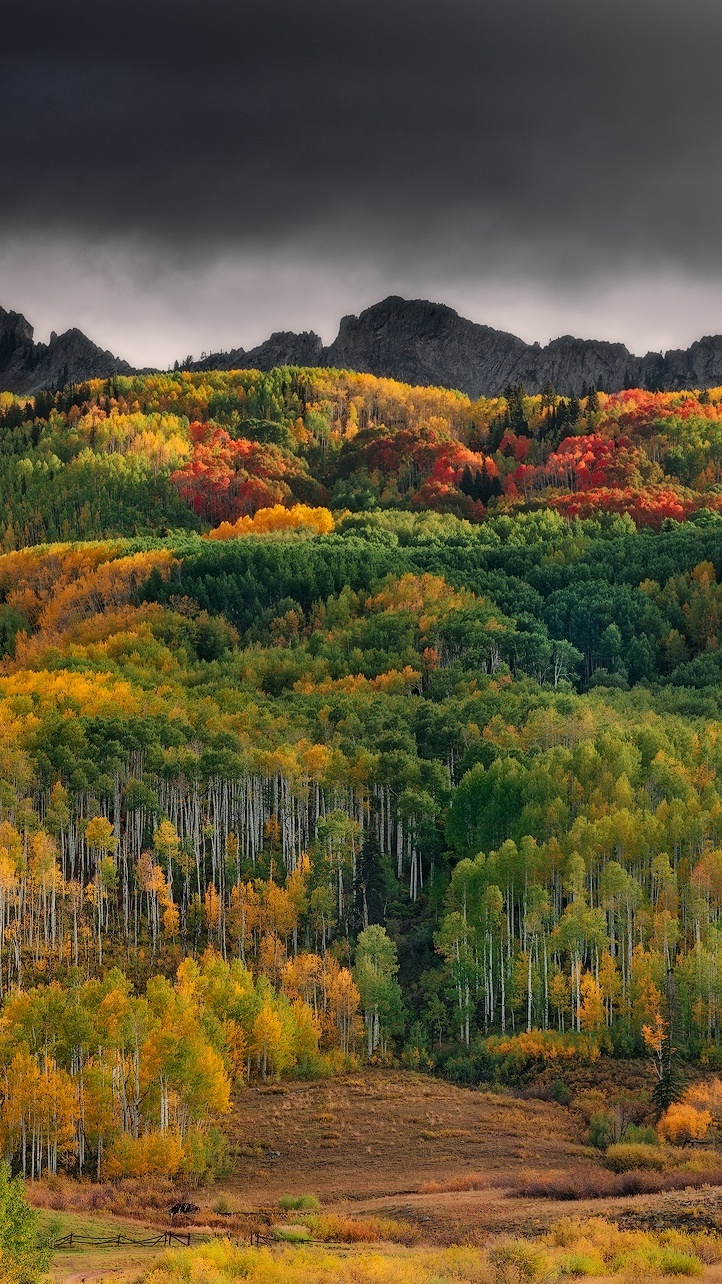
(73, 1240)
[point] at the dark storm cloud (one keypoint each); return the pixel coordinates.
(186, 174)
(585, 132)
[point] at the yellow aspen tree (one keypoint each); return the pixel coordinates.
(590, 1014)
(268, 1041)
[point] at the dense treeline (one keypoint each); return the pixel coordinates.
(353, 778)
(174, 451)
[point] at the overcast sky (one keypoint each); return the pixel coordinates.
(178, 176)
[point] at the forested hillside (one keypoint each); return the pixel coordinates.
(417, 756)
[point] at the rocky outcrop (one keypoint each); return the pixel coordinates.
(284, 348)
(26, 367)
(16, 350)
(428, 343)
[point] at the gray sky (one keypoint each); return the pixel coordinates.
(178, 176)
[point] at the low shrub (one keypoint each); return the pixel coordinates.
(291, 1234)
(625, 1156)
(571, 1249)
(599, 1247)
(577, 1264)
(518, 1261)
(672, 1262)
(695, 1159)
(576, 1183)
(335, 1229)
(148, 1197)
(220, 1262)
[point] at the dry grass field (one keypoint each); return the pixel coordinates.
(397, 1144)
(389, 1132)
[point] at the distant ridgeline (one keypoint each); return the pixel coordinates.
(410, 340)
(340, 720)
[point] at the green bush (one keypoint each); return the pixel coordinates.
(292, 1234)
(581, 1264)
(674, 1262)
(292, 1203)
(641, 1134)
(560, 1092)
(601, 1131)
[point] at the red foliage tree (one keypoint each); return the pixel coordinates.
(226, 479)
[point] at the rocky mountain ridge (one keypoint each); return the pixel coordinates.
(27, 367)
(412, 340)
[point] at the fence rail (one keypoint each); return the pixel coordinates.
(73, 1240)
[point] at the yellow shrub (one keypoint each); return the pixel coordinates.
(625, 1156)
(360, 1230)
(571, 1248)
(220, 1262)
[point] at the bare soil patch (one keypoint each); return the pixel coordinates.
(389, 1132)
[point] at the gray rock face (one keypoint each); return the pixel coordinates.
(16, 349)
(26, 366)
(428, 343)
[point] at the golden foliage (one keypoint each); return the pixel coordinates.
(277, 518)
(682, 1123)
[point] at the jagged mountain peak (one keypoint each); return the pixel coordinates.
(413, 340)
(26, 367)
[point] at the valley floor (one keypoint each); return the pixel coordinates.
(370, 1144)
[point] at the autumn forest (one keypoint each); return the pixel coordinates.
(343, 722)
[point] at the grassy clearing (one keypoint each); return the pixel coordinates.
(124, 1263)
(594, 1247)
(465, 1181)
(94, 1225)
